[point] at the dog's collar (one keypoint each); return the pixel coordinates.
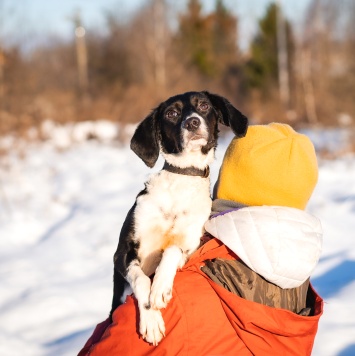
(188, 171)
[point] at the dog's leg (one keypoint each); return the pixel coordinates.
(151, 324)
(161, 291)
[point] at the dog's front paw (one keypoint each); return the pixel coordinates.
(160, 294)
(152, 326)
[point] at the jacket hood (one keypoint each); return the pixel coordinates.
(281, 244)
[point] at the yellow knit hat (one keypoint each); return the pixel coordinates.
(271, 165)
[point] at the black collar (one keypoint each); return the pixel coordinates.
(188, 171)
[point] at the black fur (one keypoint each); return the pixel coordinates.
(229, 115)
(162, 131)
(144, 142)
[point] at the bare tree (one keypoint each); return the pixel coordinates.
(81, 54)
(160, 45)
(282, 56)
(326, 61)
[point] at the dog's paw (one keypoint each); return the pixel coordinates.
(152, 326)
(160, 294)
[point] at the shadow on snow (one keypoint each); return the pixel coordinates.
(331, 282)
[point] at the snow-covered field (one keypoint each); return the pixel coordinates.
(61, 211)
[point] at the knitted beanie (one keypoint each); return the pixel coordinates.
(271, 165)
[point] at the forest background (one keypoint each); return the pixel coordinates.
(303, 77)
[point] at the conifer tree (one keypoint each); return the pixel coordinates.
(225, 37)
(262, 67)
(194, 37)
(208, 42)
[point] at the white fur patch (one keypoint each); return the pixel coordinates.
(162, 287)
(139, 282)
(172, 213)
(151, 325)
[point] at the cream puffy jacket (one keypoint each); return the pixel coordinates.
(281, 244)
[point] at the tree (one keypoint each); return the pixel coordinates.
(208, 42)
(329, 44)
(262, 67)
(194, 38)
(224, 37)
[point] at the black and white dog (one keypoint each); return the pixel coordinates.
(165, 224)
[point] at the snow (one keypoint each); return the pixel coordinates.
(62, 204)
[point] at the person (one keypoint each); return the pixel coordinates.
(246, 290)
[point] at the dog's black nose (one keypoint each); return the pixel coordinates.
(191, 124)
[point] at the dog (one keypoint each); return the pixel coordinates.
(166, 222)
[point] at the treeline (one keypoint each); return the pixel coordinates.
(121, 74)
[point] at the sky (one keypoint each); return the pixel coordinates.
(25, 19)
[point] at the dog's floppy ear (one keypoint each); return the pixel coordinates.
(228, 114)
(144, 142)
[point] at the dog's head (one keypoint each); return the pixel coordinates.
(186, 123)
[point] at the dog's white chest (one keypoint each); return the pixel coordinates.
(173, 212)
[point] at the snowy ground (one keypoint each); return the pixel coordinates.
(60, 216)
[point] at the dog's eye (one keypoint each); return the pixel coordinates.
(204, 106)
(172, 114)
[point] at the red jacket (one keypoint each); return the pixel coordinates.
(203, 318)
